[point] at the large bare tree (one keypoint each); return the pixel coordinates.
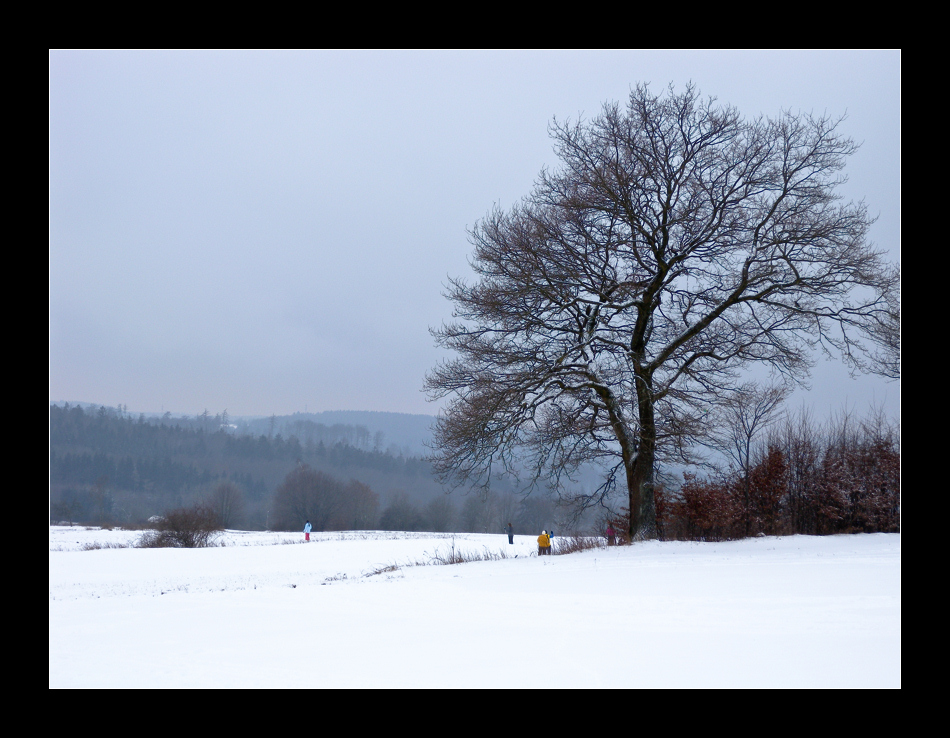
(675, 245)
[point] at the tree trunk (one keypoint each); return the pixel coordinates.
(640, 480)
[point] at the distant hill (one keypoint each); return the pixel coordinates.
(108, 464)
(396, 433)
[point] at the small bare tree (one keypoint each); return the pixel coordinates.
(743, 416)
(361, 506)
(227, 501)
(677, 245)
(441, 515)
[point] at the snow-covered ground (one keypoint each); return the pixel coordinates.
(352, 610)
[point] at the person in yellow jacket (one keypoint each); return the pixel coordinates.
(544, 544)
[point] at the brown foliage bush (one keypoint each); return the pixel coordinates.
(805, 480)
(186, 527)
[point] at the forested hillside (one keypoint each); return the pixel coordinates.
(109, 466)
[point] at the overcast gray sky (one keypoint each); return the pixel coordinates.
(269, 232)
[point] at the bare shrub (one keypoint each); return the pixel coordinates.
(615, 526)
(575, 544)
(463, 556)
(97, 545)
(186, 527)
(384, 569)
(710, 508)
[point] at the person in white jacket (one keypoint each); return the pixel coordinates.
(306, 531)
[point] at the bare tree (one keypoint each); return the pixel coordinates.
(677, 244)
(227, 501)
(402, 514)
(480, 514)
(744, 415)
(185, 527)
(361, 507)
(103, 500)
(441, 514)
(308, 494)
(507, 507)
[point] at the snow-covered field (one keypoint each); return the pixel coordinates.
(351, 610)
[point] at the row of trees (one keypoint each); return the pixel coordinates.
(331, 504)
(803, 477)
(478, 513)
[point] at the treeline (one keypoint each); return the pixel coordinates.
(842, 476)
(109, 431)
(135, 473)
(478, 513)
(107, 466)
(329, 504)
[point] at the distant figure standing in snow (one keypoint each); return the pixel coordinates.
(306, 531)
(511, 534)
(611, 535)
(544, 544)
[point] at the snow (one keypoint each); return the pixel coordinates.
(358, 609)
